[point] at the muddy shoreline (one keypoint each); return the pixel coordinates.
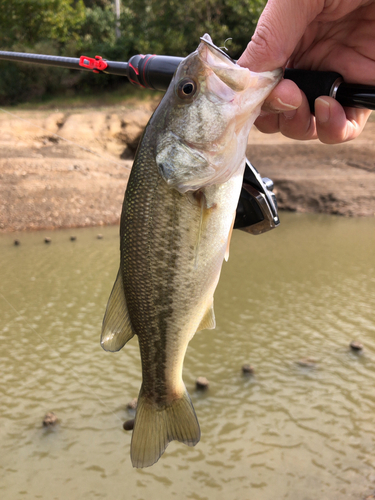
(69, 168)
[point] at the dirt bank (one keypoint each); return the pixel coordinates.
(314, 177)
(79, 178)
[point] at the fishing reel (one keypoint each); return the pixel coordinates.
(257, 206)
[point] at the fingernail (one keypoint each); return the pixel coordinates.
(284, 106)
(278, 105)
(322, 110)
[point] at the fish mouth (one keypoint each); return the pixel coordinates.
(231, 78)
(235, 78)
(206, 39)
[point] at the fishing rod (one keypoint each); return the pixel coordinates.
(155, 72)
(257, 207)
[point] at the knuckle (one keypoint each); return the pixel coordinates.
(265, 44)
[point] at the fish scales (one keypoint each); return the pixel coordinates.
(157, 294)
(175, 229)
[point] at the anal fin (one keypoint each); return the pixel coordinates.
(117, 329)
(208, 321)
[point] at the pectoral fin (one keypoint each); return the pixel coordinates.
(117, 329)
(208, 321)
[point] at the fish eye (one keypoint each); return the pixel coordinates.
(186, 88)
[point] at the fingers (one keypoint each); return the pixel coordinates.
(279, 29)
(287, 111)
(301, 124)
(284, 26)
(332, 123)
(336, 124)
(286, 96)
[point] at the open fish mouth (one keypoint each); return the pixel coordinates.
(235, 77)
(230, 78)
(220, 52)
(200, 148)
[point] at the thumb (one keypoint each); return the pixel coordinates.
(279, 29)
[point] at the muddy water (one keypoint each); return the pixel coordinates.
(288, 432)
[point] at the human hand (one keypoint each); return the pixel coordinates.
(323, 35)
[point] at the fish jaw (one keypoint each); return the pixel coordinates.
(213, 123)
(247, 87)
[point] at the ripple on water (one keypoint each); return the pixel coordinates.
(289, 430)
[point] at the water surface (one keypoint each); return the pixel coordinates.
(290, 432)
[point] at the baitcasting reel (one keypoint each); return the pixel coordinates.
(257, 206)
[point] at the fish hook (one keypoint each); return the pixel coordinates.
(225, 41)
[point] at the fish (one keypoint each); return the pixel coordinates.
(176, 225)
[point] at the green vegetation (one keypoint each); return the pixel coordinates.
(74, 27)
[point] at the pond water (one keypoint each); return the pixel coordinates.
(305, 290)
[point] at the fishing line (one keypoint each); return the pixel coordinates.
(76, 375)
(66, 140)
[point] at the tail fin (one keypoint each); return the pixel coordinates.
(155, 427)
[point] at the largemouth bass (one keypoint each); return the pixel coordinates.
(176, 225)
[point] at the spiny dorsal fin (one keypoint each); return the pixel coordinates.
(117, 329)
(208, 321)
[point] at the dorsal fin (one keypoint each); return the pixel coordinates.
(116, 329)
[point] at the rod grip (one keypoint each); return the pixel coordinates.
(313, 83)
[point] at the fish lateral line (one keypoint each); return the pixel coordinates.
(196, 250)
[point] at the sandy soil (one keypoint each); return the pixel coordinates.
(69, 168)
(314, 177)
